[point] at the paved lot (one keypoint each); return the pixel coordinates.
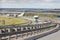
(54, 36)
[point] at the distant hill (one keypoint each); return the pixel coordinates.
(26, 9)
(30, 9)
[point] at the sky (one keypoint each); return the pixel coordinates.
(30, 4)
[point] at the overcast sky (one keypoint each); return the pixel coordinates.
(29, 3)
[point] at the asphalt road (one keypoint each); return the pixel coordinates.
(54, 36)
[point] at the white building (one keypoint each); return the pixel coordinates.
(11, 13)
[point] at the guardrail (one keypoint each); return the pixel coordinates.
(24, 31)
(44, 34)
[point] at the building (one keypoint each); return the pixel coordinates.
(11, 13)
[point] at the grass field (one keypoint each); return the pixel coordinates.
(11, 20)
(42, 15)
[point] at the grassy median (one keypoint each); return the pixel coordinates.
(11, 20)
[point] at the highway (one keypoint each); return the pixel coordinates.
(54, 36)
(43, 36)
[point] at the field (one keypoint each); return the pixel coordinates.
(41, 15)
(11, 20)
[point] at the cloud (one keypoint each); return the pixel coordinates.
(29, 4)
(47, 0)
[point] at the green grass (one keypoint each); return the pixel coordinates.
(11, 20)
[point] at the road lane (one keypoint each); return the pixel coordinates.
(54, 36)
